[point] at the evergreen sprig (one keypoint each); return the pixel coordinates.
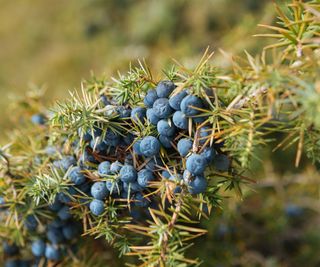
(243, 106)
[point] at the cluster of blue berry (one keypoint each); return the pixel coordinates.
(135, 161)
(120, 164)
(52, 238)
(11, 251)
(172, 114)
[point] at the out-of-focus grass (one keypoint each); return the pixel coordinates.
(56, 43)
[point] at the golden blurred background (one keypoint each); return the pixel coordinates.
(54, 44)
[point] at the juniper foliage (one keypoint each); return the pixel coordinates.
(277, 91)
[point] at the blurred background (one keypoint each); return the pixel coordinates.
(55, 44)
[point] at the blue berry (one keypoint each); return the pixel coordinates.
(196, 164)
(87, 157)
(68, 161)
(115, 167)
(10, 249)
(166, 129)
(38, 119)
(64, 213)
(104, 168)
(150, 97)
(56, 205)
(165, 174)
(86, 136)
(113, 142)
(189, 103)
(175, 101)
(162, 108)
(97, 131)
(208, 153)
(141, 201)
(85, 188)
(134, 187)
(138, 114)
(136, 147)
(99, 190)
(96, 207)
(104, 100)
(166, 141)
(218, 144)
(204, 134)
(50, 150)
(38, 248)
(76, 176)
(180, 120)
(114, 187)
(149, 146)
(98, 144)
(144, 177)
(184, 146)
(66, 197)
(55, 235)
(111, 138)
(52, 252)
(65, 163)
(31, 223)
(128, 139)
(165, 88)
(177, 189)
(135, 214)
(198, 185)
(152, 116)
(293, 211)
(221, 162)
(128, 174)
(123, 112)
(70, 231)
